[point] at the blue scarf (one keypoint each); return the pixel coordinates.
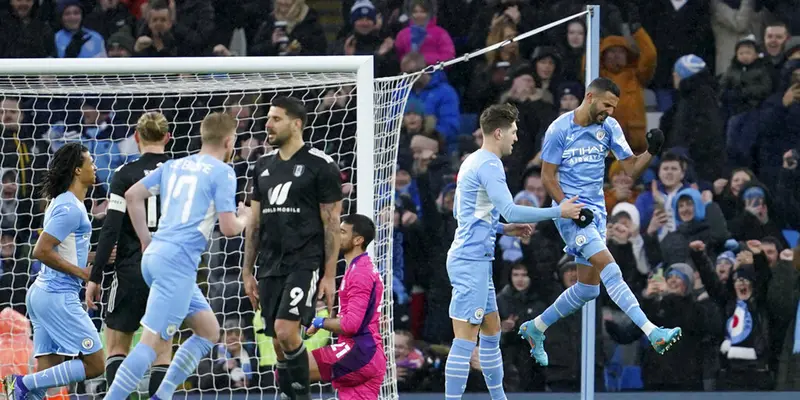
(225, 355)
(398, 268)
(740, 324)
(418, 34)
(796, 349)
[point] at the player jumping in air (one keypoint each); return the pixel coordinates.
(297, 192)
(61, 328)
(481, 197)
(573, 153)
(194, 190)
(355, 364)
(128, 298)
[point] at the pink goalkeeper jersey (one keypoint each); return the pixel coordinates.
(360, 296)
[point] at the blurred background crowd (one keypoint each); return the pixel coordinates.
(704, 237)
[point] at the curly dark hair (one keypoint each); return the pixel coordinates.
(62, 169)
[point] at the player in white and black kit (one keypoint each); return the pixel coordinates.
(128, 295)
(294, 232)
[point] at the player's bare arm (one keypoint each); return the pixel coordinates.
(550, 181)
(231, 224)
(135, 197)
(252, 233)
(45, 251)
(634, 166)
(330, 214)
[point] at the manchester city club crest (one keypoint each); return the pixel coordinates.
(87, 343)
(298, 170)
(600, 135)
(580, 240)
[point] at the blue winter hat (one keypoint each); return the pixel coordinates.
(726, 256)
(63, 4)
(415, 106)
(754, 192)
(361, 9)
(687, 66)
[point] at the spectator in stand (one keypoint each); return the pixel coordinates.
(192, 25)
(745, 351)
(536, 114)
(678, 28)
(367, 40)
(726, 193)
(759, 216)
(408, 360)
(15, 269)
(788, 189)
(731, 20)
(293, 28)
(694, 220)
(532, 183)
(523, 15)
(232, 364)
(622, 189)
(423, 36)
(488, 79)
(748, 80)
(511, 246)
(156, 38)
(439, 98)
(572, 50)
(517, 302)
(771, 247)
(630, 61)
(658, 200)
(694, 122)
(547, 71)
(670, 302)
(23, 34)
(775, 36)
(120, 44)
(777, 125)
(110, 17)
(626, 243)
(73, 40)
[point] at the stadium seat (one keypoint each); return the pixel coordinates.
(792, 237)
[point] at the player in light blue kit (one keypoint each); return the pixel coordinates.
(194, 190)
(481, 197)
(61, 327)
(573, 154)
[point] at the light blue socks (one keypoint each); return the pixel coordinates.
(568, 302)
(456, 370)
(131, 371)
(185, 362)
(492, 365)
(61, 375)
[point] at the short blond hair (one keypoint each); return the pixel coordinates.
(216, 127)
(152, 126)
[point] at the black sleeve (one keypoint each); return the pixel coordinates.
(115, 216)
(254, 173)
(329, 183)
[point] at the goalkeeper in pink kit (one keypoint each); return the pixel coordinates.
(356, 364)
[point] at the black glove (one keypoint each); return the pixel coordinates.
(655, 140)
(74, 47)
(586, 218)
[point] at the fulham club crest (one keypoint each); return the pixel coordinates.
(298, 170)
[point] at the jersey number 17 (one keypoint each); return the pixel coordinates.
(181, 189)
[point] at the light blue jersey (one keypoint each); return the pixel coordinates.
(193, 191)
(580, 153)
(481, 197)
(66, 219)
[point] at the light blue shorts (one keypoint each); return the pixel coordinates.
(473, 289)
(583, 243)
(174, 294)
(60, 324)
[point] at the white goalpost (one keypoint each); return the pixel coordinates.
(352, 117)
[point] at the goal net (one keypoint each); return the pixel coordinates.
(353, 118)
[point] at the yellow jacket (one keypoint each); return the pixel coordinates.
(632, 79)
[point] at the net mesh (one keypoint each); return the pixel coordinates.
(39, 114)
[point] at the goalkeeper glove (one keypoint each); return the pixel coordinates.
(318, 322)
(655, 139)
(586, 217)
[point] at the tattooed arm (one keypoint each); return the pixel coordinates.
(330, 213)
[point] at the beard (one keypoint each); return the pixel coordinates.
(275, 139)
(596, 116)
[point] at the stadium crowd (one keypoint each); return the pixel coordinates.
(704, 238)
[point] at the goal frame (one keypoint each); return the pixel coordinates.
(362, 66)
